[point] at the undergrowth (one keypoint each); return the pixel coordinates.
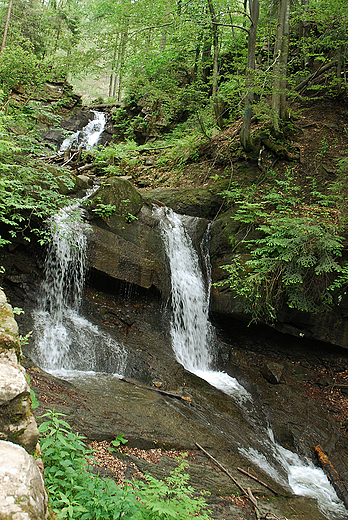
(76, 493)
(29, 190)
(291, 251)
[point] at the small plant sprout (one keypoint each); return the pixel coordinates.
(116, 443)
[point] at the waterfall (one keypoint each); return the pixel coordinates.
(192, 340)
(88, 136)
(191, 331)
(65, 341)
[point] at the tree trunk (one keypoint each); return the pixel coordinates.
(8, 17)
(216, 104)
(164, 34)
(280, 67)
(123, 45)
(113, 65)
(206, 55)
(336, 481)
(249, 98)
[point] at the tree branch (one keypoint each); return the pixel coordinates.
(317, 73)
(149, 28)
(232, 25)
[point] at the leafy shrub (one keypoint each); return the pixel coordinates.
(76, 493)
(295, 258)
(290, 264)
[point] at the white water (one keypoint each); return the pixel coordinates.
(87, 137)
(65, 341)
(192, 338)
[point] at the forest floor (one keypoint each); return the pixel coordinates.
(317, 139)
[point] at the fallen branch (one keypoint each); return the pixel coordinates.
(86, 167)
(332, 475)
(71, 158)
(257, 480)
(49, 157)
(317, 73)
(247, 492)
(254, 503)
(223, 469)
(169, 394)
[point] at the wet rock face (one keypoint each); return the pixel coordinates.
(23, 494)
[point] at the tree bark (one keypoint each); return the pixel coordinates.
(215, 31)
(113, 65)
(123, 45)
(280, 67)
(249, 98)
(8, 17)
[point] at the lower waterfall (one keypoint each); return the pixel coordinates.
(192, 341)
(65, 341)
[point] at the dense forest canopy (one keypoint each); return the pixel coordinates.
(194, 68)
(217, 50)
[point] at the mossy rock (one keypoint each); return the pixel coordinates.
(8, 328)
(52, 176)
(204, 202)
(119, 195)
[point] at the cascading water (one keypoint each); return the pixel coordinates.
(64, 340)
(88, 136)
(192, 340)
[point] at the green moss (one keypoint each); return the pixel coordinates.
(118, 194)
(204, 202)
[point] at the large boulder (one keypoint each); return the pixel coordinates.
(204, 202)
(130, 251)
(23, 495)
(17, 423)
(127, 243)
(116, 197)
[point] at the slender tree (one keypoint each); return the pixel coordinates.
(280, 66)
(249, 97)
(8, 17)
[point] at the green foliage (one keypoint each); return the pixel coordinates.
(290, 264)
(294, 259)
(24, 340)
(30, 191)
(34, 401)
(116, 443)
(20, 66)
(171, 498)
(27, 190)
(76, 493)
(104, 210)
(113, 158)
(17, 310)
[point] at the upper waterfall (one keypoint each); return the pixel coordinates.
(88, 137)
